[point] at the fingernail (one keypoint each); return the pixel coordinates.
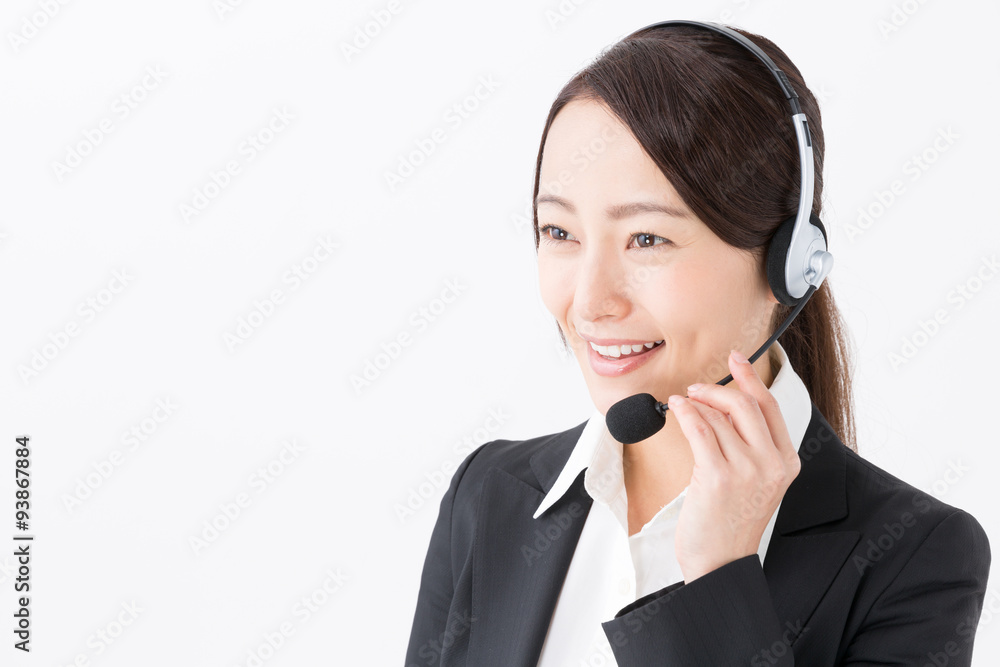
(695, 387)
(676, 400)
(739, 358)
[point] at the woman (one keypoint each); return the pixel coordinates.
(745, 530)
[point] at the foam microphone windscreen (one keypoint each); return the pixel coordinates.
(634, 418)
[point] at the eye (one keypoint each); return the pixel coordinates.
(545, 237)
(646, 240)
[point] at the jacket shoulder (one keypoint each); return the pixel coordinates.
(898, 520)
(874, 496)
(877, 489)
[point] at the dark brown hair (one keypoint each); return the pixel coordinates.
(713, 119)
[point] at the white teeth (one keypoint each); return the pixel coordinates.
(622, 350)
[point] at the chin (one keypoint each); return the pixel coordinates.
(603, 400)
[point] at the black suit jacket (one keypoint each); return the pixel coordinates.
(861, 569)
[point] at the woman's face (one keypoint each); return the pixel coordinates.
(623, 260)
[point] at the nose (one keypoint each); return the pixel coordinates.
(601, 293)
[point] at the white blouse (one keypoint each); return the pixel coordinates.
(611, 569)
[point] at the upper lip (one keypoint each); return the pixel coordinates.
(605, 342)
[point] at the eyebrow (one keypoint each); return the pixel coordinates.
(619, 211)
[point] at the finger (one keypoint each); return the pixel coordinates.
(742, 408)
(748, 381)
(700, 435)
(731, 443)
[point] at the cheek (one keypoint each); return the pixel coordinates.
(691, 299)
(704, 285)
(555, 285)
(678, 290)
(708, 305)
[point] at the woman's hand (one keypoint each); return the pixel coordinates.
(744, 461)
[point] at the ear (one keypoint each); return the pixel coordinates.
(758, 259)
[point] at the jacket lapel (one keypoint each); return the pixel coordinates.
(520, 563)
(802, 560)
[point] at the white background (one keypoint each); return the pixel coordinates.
(462, 216)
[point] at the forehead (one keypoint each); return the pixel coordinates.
(589, 154)
(587, 127)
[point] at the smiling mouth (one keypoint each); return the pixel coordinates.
(614, 352)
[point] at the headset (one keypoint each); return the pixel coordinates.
(797, 257)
